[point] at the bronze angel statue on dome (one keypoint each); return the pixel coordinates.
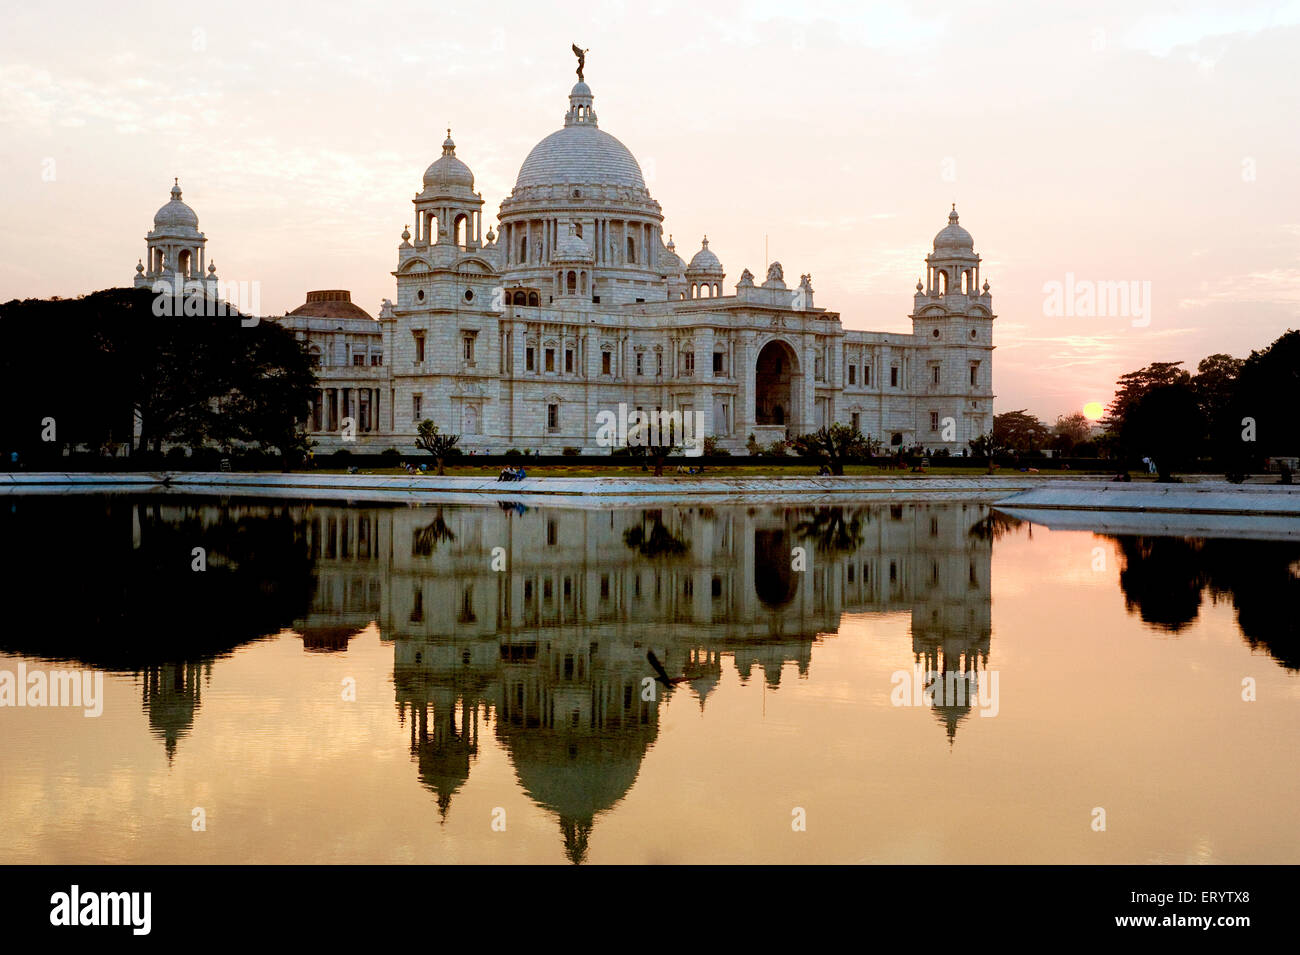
(581, 54)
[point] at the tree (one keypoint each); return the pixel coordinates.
(438, 444)
(1070, 430)
(835, 446)
(1165, 425)
(1263, 420)
(184, 379)
(833, 530)
(1132, 386)
(1019, 431)
(984, 446)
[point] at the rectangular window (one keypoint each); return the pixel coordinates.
(934, 421)
(416, 402)
(568, 361)
(893, 377)
(855, 421)
(419, 347)
(359, 360)
(974, 374)
(376, 360)
(866, 375)
(552, 417)
(717, 364)
(528, 359)
(688, 363)
(550, 359)
(934, 375)
(606, 363)
(468, 341)
(639, 356)
(659, 364)
(853, 374)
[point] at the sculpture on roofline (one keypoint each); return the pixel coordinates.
(775, 273)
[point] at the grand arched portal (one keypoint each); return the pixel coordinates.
(774, 385)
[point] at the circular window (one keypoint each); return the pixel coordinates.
(419, 296)
(974, 334)
(577, 193)
(469, 295)
(936, 333)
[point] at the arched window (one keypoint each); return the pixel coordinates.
(532, 298)
(461, 228)
(943, 281)
(573, 283)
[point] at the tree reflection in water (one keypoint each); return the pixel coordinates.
(1164, 580)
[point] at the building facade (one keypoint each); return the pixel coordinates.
(574, 308)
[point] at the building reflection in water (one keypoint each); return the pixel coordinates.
(536, 624)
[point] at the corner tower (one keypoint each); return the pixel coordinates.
(952, 321)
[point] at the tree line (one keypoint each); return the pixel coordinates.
(102, 373)
(1231, 414)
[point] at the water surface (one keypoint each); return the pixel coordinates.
(472, 684)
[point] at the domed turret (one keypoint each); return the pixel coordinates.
(176, 216)
(705, 273)
(175, 247)
(953, 238)
(448, 175)
(448, 210)
(953, 266)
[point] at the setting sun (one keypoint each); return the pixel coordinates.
(1093, 410)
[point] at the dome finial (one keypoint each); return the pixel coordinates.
(176, 187)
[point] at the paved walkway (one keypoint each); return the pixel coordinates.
(1025, 493)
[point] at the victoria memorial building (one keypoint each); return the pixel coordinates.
(520, 334)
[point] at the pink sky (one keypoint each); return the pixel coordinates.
(1149, 143)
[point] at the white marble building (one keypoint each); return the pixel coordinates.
(520, 336)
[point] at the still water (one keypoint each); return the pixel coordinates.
(474, 684)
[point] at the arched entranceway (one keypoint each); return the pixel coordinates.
(774, 376)
(775, 581)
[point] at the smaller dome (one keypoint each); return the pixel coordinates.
(571, 248)
(581, 89)
(669, 261)
(704, 260)
(953, 238)
(176, 214)
(330, 303)
(448, 171)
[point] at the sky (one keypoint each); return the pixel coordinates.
(1149, 144)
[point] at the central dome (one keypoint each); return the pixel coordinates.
(580, 155)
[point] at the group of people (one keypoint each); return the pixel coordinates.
(512, 474)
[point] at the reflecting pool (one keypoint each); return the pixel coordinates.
(301, 682)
